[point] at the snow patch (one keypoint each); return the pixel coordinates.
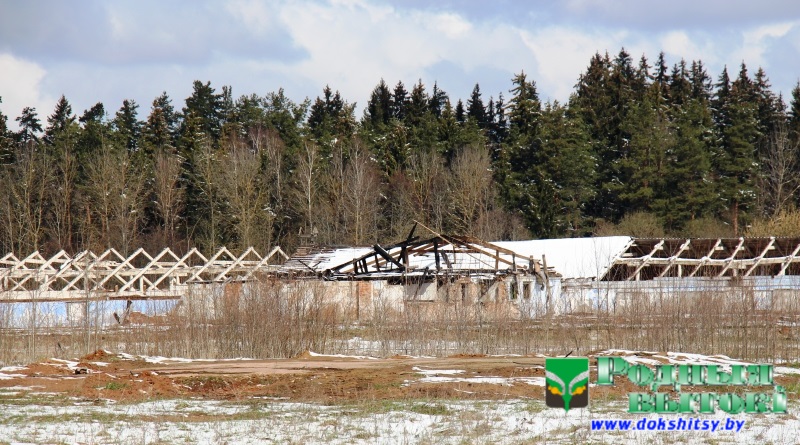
(359, 357)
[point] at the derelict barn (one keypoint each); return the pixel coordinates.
(526, 279)
(558, 276)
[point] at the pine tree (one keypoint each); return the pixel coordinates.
(687, 190)
(475, 108)
(127, 125)
(379, 107)
(460, 115)
(640, 168)
(330, 118)
(701, 82)
(160, 128)
(498, 129)
(399, 101)
(661, 80)
(680, 88)
(417, 106)
(560, 180)
(322, 115)
(736, 166)
(59, 121)
(641, 79)
(524, 107)
(771, 110)
(437, 101)
(29, 126)
(94, 132)
(6, 140)
(202, 117)
(288, 117)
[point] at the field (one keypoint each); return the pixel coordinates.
(107, 397)
(313, 373)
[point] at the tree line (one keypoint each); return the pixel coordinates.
(638, 146)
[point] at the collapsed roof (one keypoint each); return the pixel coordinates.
(612, 258)
(462, 255)
(648, 259)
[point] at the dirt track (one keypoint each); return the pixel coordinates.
(308, 377)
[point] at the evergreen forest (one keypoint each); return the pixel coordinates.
(640, 148)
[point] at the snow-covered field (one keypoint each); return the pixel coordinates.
(59, 420)
(28, 415)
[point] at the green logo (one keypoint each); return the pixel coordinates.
(566, 382)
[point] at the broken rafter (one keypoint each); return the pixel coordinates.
(645, 260)
(705, 259)
(731, 260)
(789, 259)
(758, 259)
(673, 259)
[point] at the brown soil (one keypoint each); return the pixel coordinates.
(306, 377)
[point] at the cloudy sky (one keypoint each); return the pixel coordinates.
(106, 51)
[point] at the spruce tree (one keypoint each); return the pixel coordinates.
(59, 121)
(399, 101)
(475, 108)
(6, 140)
(94, 132)
(687, 190)
(202, 117)
(736, 165)
(680, 87)
(160, 128)
(417, 106)
(701, 82)
(127, 125)
(460, 115)
(438, 100)
(379, 106)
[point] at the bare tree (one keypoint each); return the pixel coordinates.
(305, 193)
(780, 179)
(361, 196)
(471, 192)
(115, 189)
(63, 195)
(205, 175)
(242, 186)
(168, 192)
(429, 188)
(23, 209)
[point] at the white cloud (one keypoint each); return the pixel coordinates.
(352, 44)
(20, 87)
(755, 42)
(123, 50)
(255, 14)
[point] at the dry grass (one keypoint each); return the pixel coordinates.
(275, 319)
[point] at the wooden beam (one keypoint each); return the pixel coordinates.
(789, 260)
(672, 259)
(730, 259)
(705, 258)
(645, 260)
(761, 256)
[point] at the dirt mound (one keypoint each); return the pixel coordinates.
(98, 356)
(46, 369)
(305, 355)
(467, 356)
